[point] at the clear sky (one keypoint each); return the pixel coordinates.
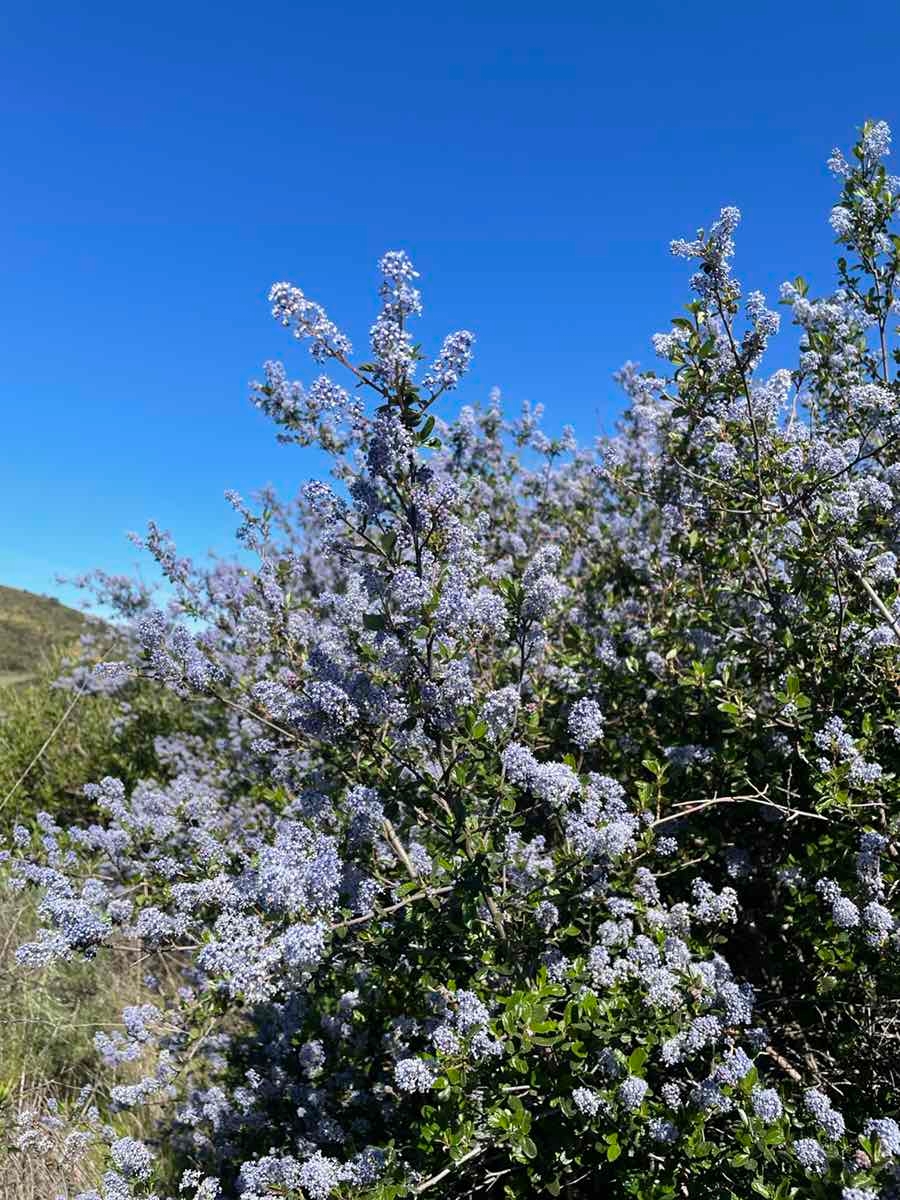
(165, 163)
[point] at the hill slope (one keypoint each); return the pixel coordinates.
(30, 626)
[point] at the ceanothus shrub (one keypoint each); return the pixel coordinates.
(536, 829)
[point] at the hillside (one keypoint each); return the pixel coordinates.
(30, 626)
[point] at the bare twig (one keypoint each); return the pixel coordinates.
(880, 604)
(425, 894)
(430, 1183)
(692, 808)
(784, 1064)
(399, 849)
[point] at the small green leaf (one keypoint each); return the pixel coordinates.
(637, 1059)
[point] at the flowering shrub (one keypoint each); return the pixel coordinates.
(536, 828)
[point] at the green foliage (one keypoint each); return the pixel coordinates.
(54, 740)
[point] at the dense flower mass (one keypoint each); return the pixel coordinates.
(532, 824)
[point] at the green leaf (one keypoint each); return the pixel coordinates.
(637, 1059)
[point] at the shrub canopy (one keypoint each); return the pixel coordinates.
(535, 830)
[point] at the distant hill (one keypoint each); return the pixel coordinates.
(30, 627)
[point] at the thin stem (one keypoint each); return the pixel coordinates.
(425, 894)
(758, 799)
(430, 1183)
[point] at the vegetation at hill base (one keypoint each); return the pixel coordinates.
(31, 628)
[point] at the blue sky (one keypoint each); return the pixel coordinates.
(164, 164)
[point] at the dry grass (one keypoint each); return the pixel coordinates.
(48, 1020)
(11, 678)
